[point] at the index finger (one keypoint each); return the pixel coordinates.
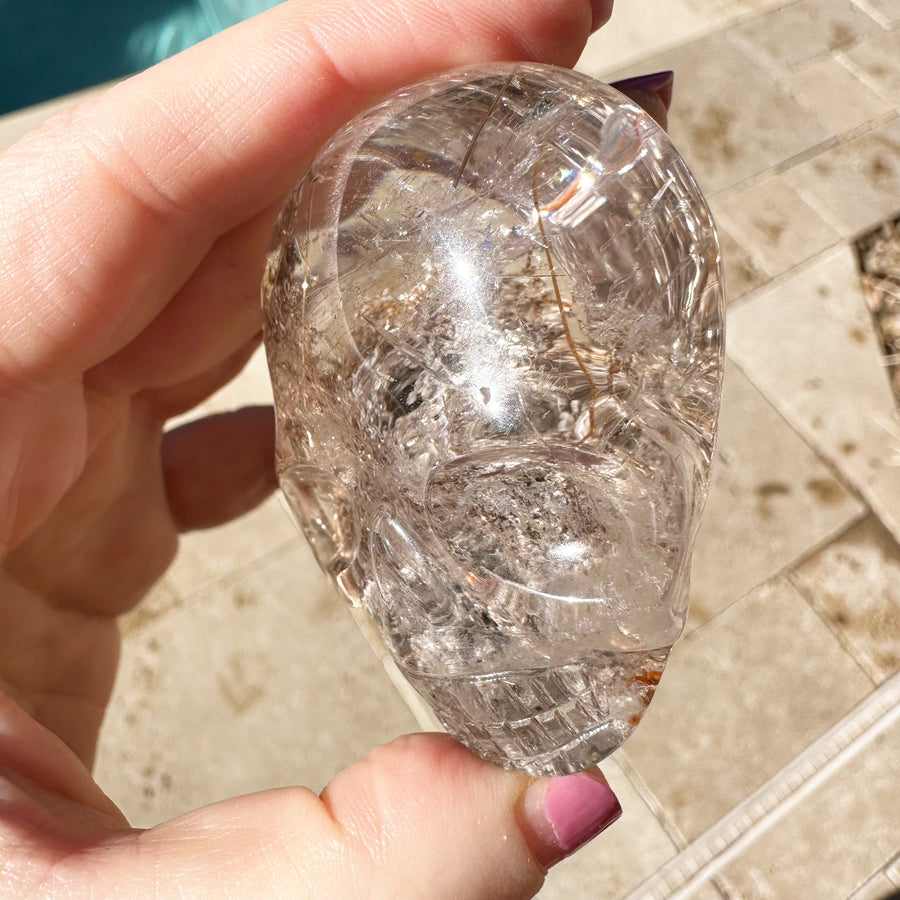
(121, 199)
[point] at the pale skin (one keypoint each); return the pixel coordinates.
(132, 237)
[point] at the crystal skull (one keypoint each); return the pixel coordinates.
(493, 320)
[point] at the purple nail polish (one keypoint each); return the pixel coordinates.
(653, 82)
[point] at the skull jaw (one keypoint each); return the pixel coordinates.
(531, 671)
(547, 721)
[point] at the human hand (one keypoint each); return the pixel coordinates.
(133, 237)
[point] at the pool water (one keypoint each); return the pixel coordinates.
(53, 47)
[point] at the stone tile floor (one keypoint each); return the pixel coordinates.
(756, 773)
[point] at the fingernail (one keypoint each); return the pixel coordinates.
(562, 814)
(656, 81)
(653, 93)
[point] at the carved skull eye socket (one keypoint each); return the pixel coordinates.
(494, 326)
(325, 514)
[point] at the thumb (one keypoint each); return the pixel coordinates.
(433, 820)
(421, 817)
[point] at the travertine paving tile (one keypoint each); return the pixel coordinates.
(775, 225)
(636, 30)
(722, 11)
(266, 682)
(876, 60)
(741, 271)
(739, 699)
(856, 185)
(854, 584)
(835, 96)
(770, 500)
(730, 117)
(893, 870)
(808, 343)
(633, 33)
(220, 554)
(620, 858)
(799, 31)
(709, 891)
(888, 11)
(877, 888)
(161, 600)
(834, 841)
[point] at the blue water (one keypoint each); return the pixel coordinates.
(53, 47)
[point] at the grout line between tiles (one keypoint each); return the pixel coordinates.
(786, 571)
(892, 870)
(421, 712)
(194, 596)
(865, 7)
(868, 884)
(673, 832)
(702, 859)
(839, 636)
(770, 63)
(861, 75)
(826, 145)
(860, 490)
(716, 27)
(823, 211)
(772, 283)
(820, 452)
(871, 503)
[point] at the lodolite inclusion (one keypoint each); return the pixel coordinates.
(493, 318)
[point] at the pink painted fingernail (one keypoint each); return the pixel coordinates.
(562, 814)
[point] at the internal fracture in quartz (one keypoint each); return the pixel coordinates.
(494, 327)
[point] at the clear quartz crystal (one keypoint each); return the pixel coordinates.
(494, 326)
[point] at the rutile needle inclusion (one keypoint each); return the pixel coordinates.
(494, 326)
